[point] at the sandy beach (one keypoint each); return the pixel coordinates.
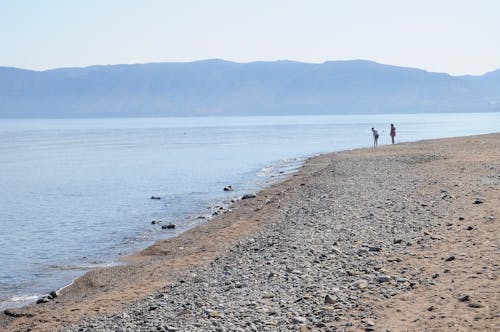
(399, 238)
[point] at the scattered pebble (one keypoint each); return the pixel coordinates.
(464, 298)
(330, 246)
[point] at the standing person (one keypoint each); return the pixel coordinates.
(393, 132)
(375, 137)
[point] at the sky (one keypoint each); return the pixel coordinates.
(457, 37)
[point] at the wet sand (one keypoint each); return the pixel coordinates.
(371, 239)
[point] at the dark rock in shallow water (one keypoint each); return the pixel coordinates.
(43, 299)
(155, 197)
(169, 226)
(247, 196)
(53, 294)
(228, 188)
(155, 222)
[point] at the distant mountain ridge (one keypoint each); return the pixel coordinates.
(218, 87)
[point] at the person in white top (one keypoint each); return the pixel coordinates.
(375, 137)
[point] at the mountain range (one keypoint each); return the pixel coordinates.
(218, 87)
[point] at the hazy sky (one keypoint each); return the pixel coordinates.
(453, 36)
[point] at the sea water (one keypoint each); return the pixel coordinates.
(75, 194)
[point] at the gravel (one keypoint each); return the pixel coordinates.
(312, 268)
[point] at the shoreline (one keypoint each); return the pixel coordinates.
(168, 260)
(50, 276)
(267, 176)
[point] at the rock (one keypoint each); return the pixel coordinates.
(299, 320)
(376, 249)
(253, 327)
(461, 218)
(13, 312)
(336, 251)
(43, 299)
(360, 284)
(155, 197)
(247, 196)
(397, 241)
(431, 308)
(464, 298)
(212, 313)
(53, 294)
(155, 222)
(479, 201)
(449, 259)
(362, 251)
(267, 295)
(470, 228)
(169, 226)
(228, 188)
(383, 278)
(475, 305)
(304, 328)
(330, 299)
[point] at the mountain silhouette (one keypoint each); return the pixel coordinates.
(218, 87)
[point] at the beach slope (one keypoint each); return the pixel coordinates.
(400, 238)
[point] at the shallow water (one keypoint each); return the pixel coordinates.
(75, 193)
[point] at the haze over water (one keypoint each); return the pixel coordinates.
(76, 193)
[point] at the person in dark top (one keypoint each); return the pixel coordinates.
(375, 137)
(393, 133)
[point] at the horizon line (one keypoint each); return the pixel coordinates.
(246, 62)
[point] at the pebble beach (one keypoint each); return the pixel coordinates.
(399, 238)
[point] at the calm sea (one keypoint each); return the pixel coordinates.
(75, 194)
